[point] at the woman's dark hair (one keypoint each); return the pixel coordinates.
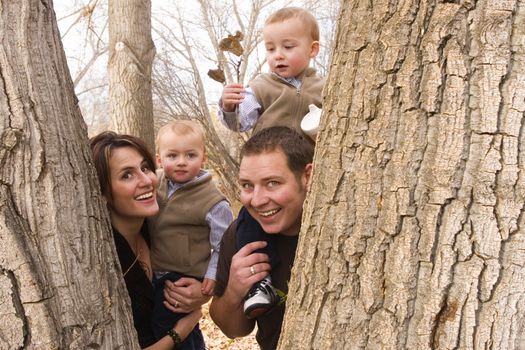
(101, 147)
(298, 151)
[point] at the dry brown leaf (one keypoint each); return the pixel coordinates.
(217, 75)
(232, 43)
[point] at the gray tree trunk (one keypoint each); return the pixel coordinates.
(59, 284)
(413, 233)
(131, 53)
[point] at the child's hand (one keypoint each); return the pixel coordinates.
(207, 286)
(232, 96)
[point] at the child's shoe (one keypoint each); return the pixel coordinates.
(310, 122)
(260, 299)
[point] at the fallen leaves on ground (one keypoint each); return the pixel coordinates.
(215, 340)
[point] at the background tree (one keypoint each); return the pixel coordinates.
(180, 92)
(187, 37)
(59, 287)
(84, 31)
(413, 234)
(131, 53)
(190, 45)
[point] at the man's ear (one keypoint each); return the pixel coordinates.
(314, 49)
(307, 175)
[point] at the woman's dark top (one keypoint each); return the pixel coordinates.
(140, 288)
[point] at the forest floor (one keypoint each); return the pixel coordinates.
(215, 340)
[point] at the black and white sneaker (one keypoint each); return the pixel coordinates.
(260, 299)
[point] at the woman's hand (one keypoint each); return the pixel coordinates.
(184, 295)
(186, 324)
(183, 328)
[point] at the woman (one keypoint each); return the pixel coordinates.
(126, 172)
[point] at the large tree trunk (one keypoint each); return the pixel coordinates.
(59, 284)
(131, 53)
(413, 235)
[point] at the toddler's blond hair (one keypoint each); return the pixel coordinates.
(303, 15)
(180, 127)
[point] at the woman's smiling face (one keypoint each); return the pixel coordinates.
(133, 185)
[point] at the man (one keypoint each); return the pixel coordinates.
(276, 166)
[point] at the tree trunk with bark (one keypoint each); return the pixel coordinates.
(131, 53)
(59, 284)
(413, 234)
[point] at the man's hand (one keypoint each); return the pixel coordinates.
(232, 96)
(247, 268)
(184, 295)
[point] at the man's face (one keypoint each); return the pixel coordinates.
(272, 193)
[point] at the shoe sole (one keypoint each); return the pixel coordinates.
(256, 310)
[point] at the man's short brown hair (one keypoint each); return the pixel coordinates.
(303, 15)
(298, 151)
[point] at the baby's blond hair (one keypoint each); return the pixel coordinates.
(180, 127)
(296, 12)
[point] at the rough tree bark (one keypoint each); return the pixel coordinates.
(58, 270)
(131, 53)
(413, 234)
